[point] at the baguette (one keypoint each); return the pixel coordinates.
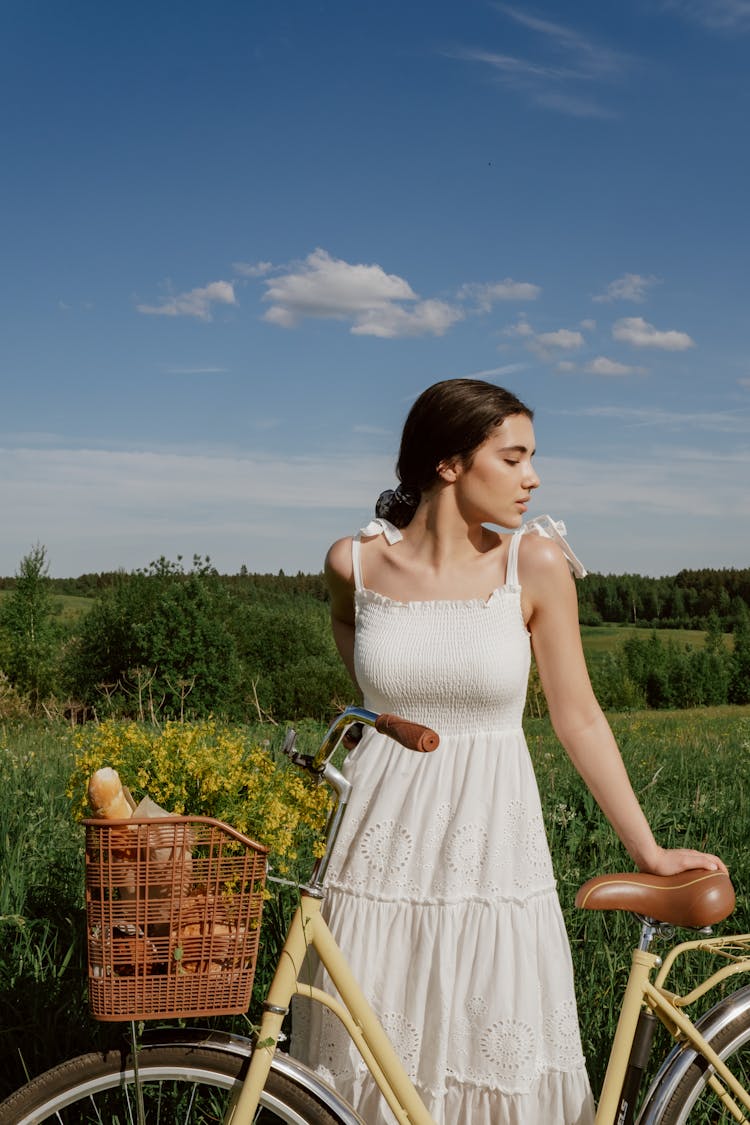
(107, 796)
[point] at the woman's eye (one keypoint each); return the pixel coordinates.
(509, 462)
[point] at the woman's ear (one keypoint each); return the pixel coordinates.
(448, 470)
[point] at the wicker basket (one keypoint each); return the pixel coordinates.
(173, 909)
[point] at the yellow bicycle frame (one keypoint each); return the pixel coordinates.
(309, 930)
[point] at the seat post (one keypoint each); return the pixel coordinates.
(649, 930)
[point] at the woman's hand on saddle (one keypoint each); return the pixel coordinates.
(671, 861)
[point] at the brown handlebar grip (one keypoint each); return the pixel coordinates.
(411, 735)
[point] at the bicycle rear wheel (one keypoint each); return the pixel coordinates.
(181, 1086)
(693, 1101)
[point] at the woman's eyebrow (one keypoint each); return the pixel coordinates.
(517, 449)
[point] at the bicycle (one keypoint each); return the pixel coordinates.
(179, 1076)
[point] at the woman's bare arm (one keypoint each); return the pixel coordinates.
(339, 577)
(577, 718)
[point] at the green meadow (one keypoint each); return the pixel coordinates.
(691, 770)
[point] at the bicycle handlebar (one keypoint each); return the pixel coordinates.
(413, 736)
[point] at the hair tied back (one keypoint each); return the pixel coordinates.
(397, 505)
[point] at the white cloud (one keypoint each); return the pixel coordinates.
(744, 382)
(638, 332)
(565, 338)
(323, 286)
(520, 328)
(566, 365)
(329, 288)
(545, 344)
(392, 321)
(601, 365)
(196, 302)
(588, 325)
(629, 287)
(252, 269)
(488, 294)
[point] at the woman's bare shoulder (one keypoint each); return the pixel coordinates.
(339, 568)
(541, 564)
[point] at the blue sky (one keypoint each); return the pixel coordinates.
(239, 239)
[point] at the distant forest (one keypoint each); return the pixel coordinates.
(687, 600)
(183, 641)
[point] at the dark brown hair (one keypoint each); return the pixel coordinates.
(450, 419)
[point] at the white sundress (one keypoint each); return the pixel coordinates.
(440, 891)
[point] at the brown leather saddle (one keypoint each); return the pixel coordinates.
(692, 898)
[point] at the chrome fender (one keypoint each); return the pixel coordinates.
(282, 1064)
(680, 1058)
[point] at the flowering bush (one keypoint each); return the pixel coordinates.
(207, 769)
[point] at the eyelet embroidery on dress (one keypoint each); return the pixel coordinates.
(562, 1037)
(526, 841)
(405, 1038)
(387, 846)
(509, 1046)
(466, 851)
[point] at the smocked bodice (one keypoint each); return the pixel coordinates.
(457, 666)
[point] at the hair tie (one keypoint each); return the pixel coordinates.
(397, 505)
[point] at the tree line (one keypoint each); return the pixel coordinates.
(172, 641)
(686, 600)
(177, 640)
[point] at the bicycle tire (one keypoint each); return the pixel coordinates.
(182, 1086)
(693, 1102)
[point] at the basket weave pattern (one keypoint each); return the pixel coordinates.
(173, 908)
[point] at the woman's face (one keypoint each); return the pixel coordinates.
(496, 484)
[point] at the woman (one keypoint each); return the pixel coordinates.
(441, 889)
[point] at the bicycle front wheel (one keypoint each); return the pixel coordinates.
(693, 1101)
(180, 1086)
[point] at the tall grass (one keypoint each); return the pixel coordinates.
(690, 768)
(691, 771)
(41, 903)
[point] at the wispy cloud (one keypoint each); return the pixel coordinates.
(273, 510)
(195, 303)
(602, 365)
(546, 345)
(375, 302)
(721, 15)
(629, 287)
(673, 421)
(487, 294)
(493, 372)
(565, 338)
(591, 58)
(566, 76)
(638, 332)
(252, 269)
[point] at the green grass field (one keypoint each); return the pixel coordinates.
(600, 639)
(67, 608)
(691, 770)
